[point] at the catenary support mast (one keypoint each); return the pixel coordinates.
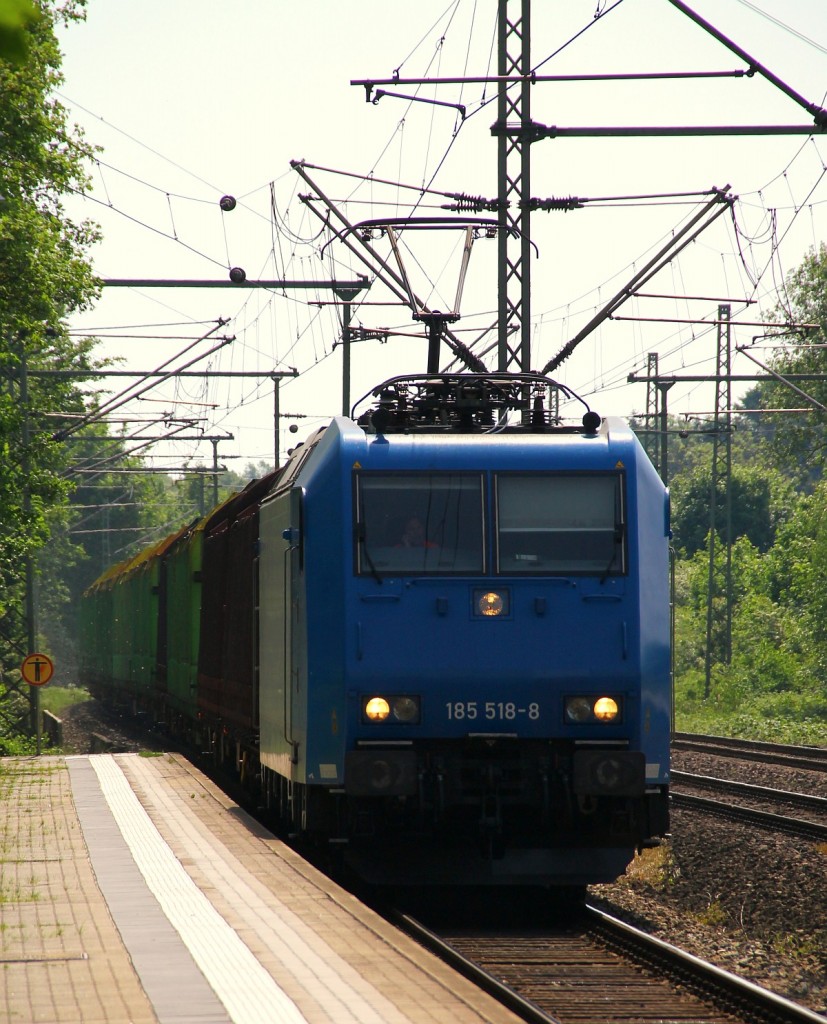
(719, 588)
(514, 186)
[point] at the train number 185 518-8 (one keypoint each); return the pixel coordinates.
(490, 710)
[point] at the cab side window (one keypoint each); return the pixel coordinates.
(560, 524)
(419, 523)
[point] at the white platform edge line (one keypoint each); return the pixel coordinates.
(171, 980)
(246, 989)
(336, 986)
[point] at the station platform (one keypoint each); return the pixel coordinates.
(133, 890)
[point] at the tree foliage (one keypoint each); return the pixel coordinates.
(45, 276)
(771, 681)
(759, 501)
(800, 439)
(16, 17)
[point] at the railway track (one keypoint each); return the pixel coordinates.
(814, 806)
(737, 812)
(807, 758)
(598, 969)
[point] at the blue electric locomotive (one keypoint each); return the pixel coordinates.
(464, 638)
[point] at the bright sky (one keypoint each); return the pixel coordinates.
(191, 100)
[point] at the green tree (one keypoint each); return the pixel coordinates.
(110, 516)
(760, 500)
(801, 439)
(774, 682)
(16, 16)
(796, 568)
(45, 276)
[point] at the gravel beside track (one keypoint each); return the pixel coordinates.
(800, 808)
(755, 772)
(744, 898)
(81, 722)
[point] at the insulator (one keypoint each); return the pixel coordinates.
(564, 203)
(472, 204)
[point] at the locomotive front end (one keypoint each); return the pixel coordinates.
(509, 671)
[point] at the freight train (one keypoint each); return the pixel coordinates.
(437, 639)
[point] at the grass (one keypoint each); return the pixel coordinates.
(747, 728)
(750, 725)
(18, 894)
(57, 698)
(715, 914)
(655, 867)
(798, 944)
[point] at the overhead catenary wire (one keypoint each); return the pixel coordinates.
(125, 396)
(254, 340)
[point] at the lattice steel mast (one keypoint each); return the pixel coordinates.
(651, 437)
(720, 576)
(514, 186)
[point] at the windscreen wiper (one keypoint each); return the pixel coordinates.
(361, 539)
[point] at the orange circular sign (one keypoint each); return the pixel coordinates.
(37, 669)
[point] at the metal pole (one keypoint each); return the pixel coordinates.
(724, 313)
(347, 313)
(663, 387)
(214, 472)
(721, 470)
(514, 184)
(276, 414)
(347, 295)
(434, 324)
(652, 420)
(31, 608)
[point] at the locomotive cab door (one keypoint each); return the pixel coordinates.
(280, 588)
(294, 619)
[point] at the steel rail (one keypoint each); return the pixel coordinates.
(752, 1001)
(777, 822)
(707, 982)
(488, 982)
(748, 789)
(808, 758)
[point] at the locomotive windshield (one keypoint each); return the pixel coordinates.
(547, 524)
(560, 523)
(431, 523)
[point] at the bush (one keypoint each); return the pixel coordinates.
(788, 723)
(17, 746)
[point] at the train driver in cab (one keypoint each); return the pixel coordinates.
(415, 536)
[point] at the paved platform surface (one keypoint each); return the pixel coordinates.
(133, 891)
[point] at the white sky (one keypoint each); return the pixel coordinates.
(194, 99)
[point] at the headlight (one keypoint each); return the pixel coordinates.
(491, 603)
(578, 709)
(406, 709)
(402, 708)
(581, 709)
(606, 709)
(377, 709)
